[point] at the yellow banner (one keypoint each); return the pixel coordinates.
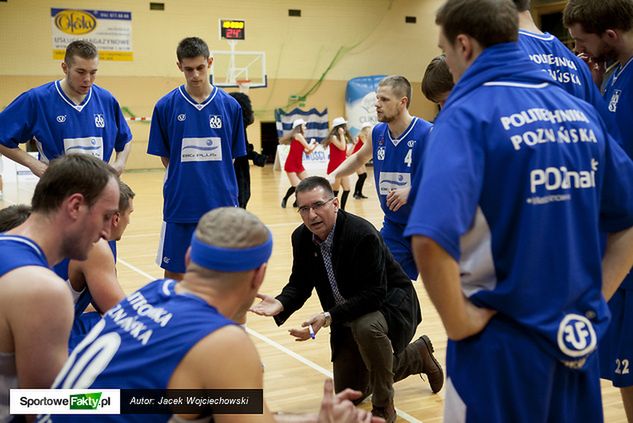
(117, 56)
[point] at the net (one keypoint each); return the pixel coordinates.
(244, 85)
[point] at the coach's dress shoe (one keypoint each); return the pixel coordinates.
(430, 366)
(388, 412)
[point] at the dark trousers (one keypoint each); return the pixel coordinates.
(365, 361)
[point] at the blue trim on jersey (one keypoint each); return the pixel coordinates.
(533, 201)
(18, 251)
(396, 162)
(200, 140)
(112, 244)
(79, 107)
(193, 102)
(96, 126)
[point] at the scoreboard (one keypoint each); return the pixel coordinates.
(231, 29)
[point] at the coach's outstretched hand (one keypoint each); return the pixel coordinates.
(268, 306)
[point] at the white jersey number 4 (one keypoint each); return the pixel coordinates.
(408, 159)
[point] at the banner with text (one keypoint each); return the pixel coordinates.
(110, 31)
(64, 401)
(136, 401)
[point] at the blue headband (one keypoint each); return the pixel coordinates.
(230, 259)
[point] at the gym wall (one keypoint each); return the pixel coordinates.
(332, 41)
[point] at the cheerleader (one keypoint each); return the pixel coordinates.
(294, 163)
(338, 139)
(365, 130)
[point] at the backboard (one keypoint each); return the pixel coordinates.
(231, 66)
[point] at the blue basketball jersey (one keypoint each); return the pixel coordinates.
(396, 162)
(619, 98)
(551, 55)
(15, 252)
(201, 140)
(519, 180)
(138, 344)
(46, 113)
(18, 251)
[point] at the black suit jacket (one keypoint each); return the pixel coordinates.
(367, 276)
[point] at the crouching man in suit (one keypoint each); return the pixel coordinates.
(367, 299)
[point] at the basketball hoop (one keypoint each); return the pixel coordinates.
(243, 85)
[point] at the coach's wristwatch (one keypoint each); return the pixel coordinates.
(328, 319)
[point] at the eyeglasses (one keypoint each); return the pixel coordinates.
(304, 210)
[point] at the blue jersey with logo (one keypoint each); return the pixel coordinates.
(200, 140)
(396, 162)
(46, 113)
(519, 180)
(142, 340)
(619, 98)
(18, 251)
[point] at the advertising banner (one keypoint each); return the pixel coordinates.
(360, 101)
(110, 31)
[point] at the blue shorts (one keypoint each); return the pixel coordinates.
(616, 347)
(175, 238)
(400, 247)
(81, 326)
(502, 375)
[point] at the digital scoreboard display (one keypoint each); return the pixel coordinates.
(231, 29)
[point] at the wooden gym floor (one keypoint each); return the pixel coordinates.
(294, 371)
